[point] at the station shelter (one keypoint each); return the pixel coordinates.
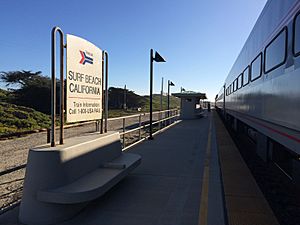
(191, 105)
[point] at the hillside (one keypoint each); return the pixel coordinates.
(15, 118)
(134, 101)
(144, 105)
(4, 95)
(174, 102)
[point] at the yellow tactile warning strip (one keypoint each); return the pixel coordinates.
(205, 182)
(245, 203)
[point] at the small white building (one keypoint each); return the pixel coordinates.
(191, 105)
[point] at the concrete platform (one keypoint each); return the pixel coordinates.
(245, 203)
(181, 180)
(167, 187)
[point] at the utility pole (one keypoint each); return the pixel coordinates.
(161, 94)
(124, 101)
(168, 97)
(161, 101)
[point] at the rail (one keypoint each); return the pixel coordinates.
(97, 122)
(159, 124)
(176, 111)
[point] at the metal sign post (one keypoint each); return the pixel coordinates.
(101, 121)
(53, 85)
(106, 91)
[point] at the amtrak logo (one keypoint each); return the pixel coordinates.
(86, 57)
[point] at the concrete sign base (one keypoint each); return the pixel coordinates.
(61, 180)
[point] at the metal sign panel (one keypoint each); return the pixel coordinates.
(84, 80)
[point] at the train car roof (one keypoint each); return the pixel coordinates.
(273, 17)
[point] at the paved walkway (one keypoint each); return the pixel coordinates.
(178, 182)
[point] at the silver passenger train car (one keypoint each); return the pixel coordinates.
(261, 94)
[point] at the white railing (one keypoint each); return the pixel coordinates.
(161, 120)
(165, 119)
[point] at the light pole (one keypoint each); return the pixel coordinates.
(170, 83)
(156, 58)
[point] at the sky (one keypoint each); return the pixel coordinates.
(200, 40)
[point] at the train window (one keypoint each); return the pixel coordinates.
(256, 67)
(275, 52)
(240, 81)
(246, 76)
(235, 85)
(296, 36)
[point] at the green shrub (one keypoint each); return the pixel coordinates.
(15, 118)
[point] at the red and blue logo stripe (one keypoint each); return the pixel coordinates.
(85, 58)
